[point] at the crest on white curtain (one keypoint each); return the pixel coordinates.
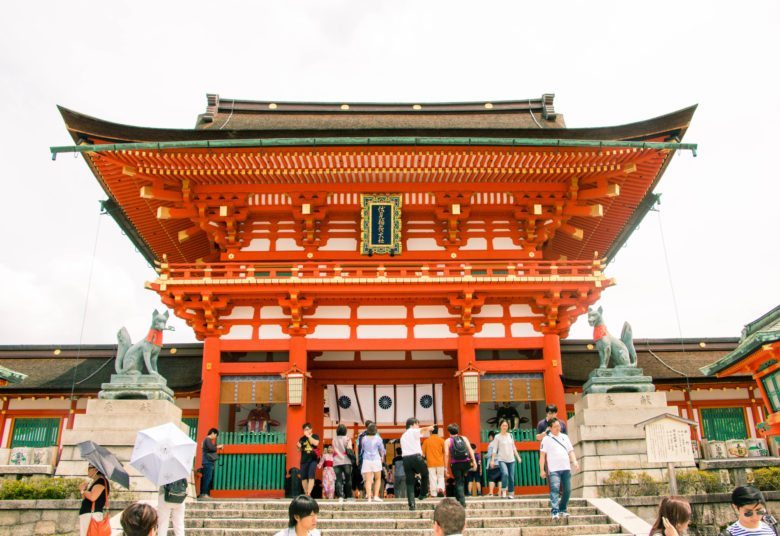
(385, 404)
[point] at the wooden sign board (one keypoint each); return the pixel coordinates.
(668, 441)
(380, 224)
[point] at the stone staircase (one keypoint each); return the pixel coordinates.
(485, 516)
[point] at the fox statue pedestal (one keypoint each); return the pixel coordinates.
(618, 379)
(114, 424)
(606, 438)
(136, 386)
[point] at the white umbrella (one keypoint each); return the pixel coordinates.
(163, 454)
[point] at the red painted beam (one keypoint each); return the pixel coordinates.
(253, 369)
(512, 365)
(247, 494)
(254, 449)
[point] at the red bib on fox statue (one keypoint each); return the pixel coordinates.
(598, 332)
(155, 337)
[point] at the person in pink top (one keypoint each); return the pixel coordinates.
(328, 474)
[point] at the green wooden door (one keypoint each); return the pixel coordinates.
(721, 424)
(192, 422)
(36, 433)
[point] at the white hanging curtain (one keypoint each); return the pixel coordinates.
(347, 406)
(385, 404)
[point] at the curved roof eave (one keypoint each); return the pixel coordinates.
(672, 125)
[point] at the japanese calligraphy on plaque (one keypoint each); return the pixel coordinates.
(380, 224)
(668, 441)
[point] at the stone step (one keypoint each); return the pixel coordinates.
(472, 503)
(194, 513)
(399, 523)
(560, 530)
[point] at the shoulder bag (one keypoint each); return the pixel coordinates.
(102, 527)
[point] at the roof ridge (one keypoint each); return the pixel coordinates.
(767, 319)
(215, 105)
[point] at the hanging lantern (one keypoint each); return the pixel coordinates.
(469, 384)
(296, 385)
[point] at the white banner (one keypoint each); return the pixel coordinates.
(405, 398)
(424, 409)
(385, 404)
(347, 405)
(365, 395)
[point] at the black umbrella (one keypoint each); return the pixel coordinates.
(104, 461)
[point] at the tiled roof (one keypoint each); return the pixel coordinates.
(11, 376)
(663, 360)
(763, 330)
(234, 114)
(86, 369)
(55, 373)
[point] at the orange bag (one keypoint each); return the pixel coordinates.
(103, 527)
(100, 528)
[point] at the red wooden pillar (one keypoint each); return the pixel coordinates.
(450, 405)
(208, 415)
(3, 411)
(296, 415)
(469, 413)
(553, 370)
(315, 409)
(74, 404)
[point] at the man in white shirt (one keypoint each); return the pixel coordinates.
(449, 518)
(414, 463)
(556, 459)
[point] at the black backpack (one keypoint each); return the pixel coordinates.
(459, 451)
(176, 492)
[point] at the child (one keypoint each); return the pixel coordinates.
(474, 477)
(328, 474)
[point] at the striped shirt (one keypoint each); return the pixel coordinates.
(737, 529)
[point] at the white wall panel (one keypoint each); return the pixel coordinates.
(238, 333)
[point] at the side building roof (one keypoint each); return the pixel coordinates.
(667, 361)
(86, 368)
(763, 330)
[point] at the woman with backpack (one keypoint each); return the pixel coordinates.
(459, 459)
(170, 505)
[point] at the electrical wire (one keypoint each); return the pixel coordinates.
(232, 106)
(86, 306)
(101, 367)
(529, 111)
(674, 304)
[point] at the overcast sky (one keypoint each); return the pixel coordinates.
(152, 63)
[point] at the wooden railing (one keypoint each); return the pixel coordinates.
(250, 472)
(346, 272)
(251, 461)
(253, 438)
(526, 473)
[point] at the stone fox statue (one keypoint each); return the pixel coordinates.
(131, 358)
(621, 351)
